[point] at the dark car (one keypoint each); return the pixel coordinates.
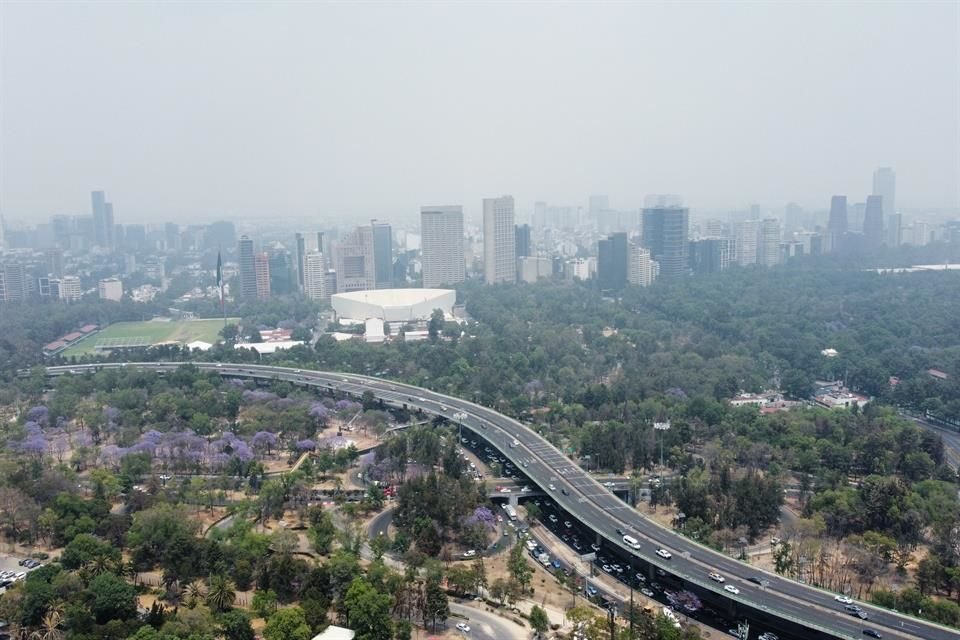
(564, 492)
(763, 582)
(872, 633)
(620, 531)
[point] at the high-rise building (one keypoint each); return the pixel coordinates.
(710, 255)
(855, 214)
(837, 225)
(110, 289)
(382, 254)
(499, 241)
(894, 230)
(171, 236)
(885, 186)
(747, 237)
(315, 276)
(793, 217)
(441, 230)
(354, 261)
(612, 256)
(247, 270)
(111, 227)
(55, 262)
(69, 289)
(768, 244)
(665, 233)
(261, 269)
(13, 282)
(283, 273)
(522, 242)
(640, 267)
(539, 215)
(873, 223)
(299, 255)
(102, 226)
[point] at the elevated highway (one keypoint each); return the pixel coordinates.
(792, 609)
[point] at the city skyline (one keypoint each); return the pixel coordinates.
(288, 150)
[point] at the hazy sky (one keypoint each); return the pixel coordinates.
(194, 110)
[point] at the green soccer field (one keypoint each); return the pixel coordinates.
(151, 332)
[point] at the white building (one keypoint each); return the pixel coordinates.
(532, 269)
(70, 288)
(110, 289)
(499, 241)
(441, 230)
(748, 233)
(393, 305)
(315, 276)
(768, 246)
(639, 266)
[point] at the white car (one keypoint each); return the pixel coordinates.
(465, 628)
(844, 599)
(732, 589)
(552, 488)
(716, 577)
(469, 553)
(506, 490)
(525, 490)
(663, 553)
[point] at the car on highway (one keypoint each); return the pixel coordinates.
(463, 627)
(852, 608)
(567, 524)
(716, 577)
(843, 599)
(553, 518)
(873, 633)
(552, 488)
(646, 592)
(768, 635)
(731, 589)
(564, 491)
(525, 489)
(506, 490)
(595, 546)
(640, 577)
(763, 582)
(663, 553)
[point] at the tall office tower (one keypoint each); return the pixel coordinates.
(598, 203)
(640, 267)
(101, 229)
(315, 276)
(382, 254)
(441, 230)
(885, 185)
(539, 215)
(665, 232)
(299, 256)
(499, 241)
(283, 273)
(921, 233)
(522, 242)
(111, 227)
(171, 236)
(855, 215)
(612, 256)
(13, 282)
(55, 262)
(135, 237)
(768, 246)
(748, 236)
(261, 270)
(710, 255)
(247, 269)
(894, 230)
(873, 222)
(354, 261)
(793, 217)
(837, 225)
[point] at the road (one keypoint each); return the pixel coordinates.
(799, 611)
(951, 440)
(485, 625)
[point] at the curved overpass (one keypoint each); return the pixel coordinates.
(792, 609)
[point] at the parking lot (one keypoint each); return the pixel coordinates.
(11, 563)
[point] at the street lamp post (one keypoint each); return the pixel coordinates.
(460, 417)
(662, 427)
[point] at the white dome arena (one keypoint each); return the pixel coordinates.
(393, 305)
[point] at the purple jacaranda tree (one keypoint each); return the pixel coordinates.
(306, 445)
(237, 382)
(242, 452)
(258, 395)
(39, 414)
(319, 412)
(34, 445)
(264, 441)
(483, 515)
(111, 414)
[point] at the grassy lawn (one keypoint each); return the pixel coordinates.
(153, 332)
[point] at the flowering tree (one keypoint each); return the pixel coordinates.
(264, 441)
(306, 445)
(39, 414)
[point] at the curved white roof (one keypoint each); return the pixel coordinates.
(393, 305)
(394, 297)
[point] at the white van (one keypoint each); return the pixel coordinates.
(631, 542)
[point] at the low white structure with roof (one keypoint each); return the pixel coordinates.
(394, 305)
(335, 633)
